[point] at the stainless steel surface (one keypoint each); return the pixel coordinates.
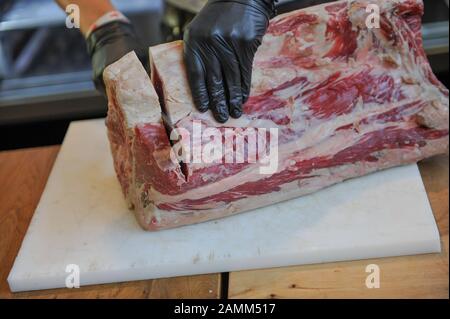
(436, 37)
(29, 52)
(46, 88)
(26, 14)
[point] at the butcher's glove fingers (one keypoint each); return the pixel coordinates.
(220, 45)
(108, 44)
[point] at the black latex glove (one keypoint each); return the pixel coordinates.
(108, 44)
(220, 45)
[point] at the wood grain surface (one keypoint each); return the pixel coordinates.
(23, 175)
(425, 276)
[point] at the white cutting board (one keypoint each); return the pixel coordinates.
(82, 219)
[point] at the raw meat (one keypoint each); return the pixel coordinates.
(345, 99)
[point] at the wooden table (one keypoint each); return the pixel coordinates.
(424, 276)
(23, 175)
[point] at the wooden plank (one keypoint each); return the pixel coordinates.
(23, 175)
(193, 287)
(425, 276)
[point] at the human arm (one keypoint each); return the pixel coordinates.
(109, 36)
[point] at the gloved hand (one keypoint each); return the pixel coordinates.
(220, 45)
(108, 44)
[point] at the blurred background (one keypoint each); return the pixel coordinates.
(45, 70)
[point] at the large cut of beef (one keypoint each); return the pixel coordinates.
(345, 100)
